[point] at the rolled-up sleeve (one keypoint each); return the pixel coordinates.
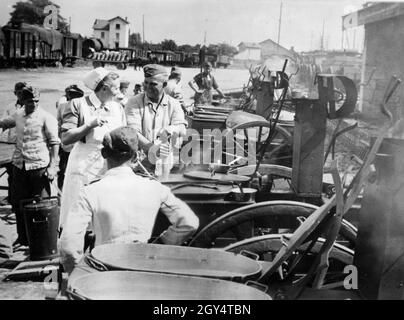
(183, 219)
(71, 115)
(51, 130)
(71, 243)
(133, 114)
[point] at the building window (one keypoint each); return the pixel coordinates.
(117, 36)
(118, 26)
(102, 35)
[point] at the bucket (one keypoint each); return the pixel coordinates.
(42, 221)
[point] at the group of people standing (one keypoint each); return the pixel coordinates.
(99, 138)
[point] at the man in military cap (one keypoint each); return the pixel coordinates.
(203, 83)
(173, 87)
(71, 92)
(35, 155)
(123, 206)
(10, 135)
(155, 114)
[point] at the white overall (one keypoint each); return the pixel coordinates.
(86, 163)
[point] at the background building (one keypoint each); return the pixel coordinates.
(114, 33)
(383, 55)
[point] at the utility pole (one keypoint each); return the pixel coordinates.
(143, 31)
(280, 21)
(204, 37)
(70, 24)
(322, 38)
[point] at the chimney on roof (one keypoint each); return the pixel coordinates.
(126, 18)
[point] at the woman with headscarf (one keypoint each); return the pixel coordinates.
(85, 122)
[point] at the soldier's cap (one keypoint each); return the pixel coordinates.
(74, 90)
(29, 93)
(19, 85)
(122, 140)
(155, 71)
(94, 77)
(124, 84)
(207, 64)
(176, 70)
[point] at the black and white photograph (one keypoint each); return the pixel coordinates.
(203, 155)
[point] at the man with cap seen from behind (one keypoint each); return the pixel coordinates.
(122, 205)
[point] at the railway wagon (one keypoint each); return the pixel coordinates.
(31, 46)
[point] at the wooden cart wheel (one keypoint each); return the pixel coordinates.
(270, 217)
(266, 247)
(279, 151)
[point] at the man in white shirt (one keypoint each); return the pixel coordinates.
(123, 206)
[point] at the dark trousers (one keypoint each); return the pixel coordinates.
(26, 185)
(9, 170)
(63, 158)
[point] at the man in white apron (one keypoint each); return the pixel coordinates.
(85, 122)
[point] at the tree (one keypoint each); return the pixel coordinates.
(185, 48)
(135, 40)
(32, 12)
(168, 45)
(225, 49)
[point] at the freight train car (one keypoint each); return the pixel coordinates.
(31, 46)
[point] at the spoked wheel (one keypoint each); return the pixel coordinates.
(270, 217)
(251, 136)
(297, 266)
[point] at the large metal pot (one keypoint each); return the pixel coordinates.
(131, 285)
(243, 194)
(210, 263)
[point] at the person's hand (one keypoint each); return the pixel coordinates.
(201, 91)
(51, 172)
(98, 122)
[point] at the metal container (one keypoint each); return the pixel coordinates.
(243, 194)
(131, 285)
(178, 260)
(42, 221)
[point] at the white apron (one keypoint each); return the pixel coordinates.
(86, 163)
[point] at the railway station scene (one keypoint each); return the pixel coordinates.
(208, 150)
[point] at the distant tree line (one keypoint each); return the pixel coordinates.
(135, 40)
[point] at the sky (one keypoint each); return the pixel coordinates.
(229, 21)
